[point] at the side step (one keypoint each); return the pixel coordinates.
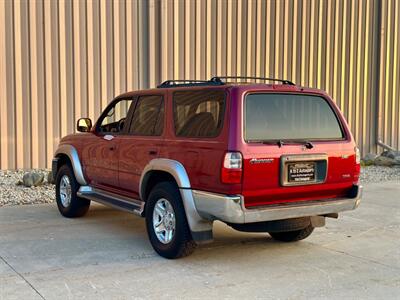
(117, 201)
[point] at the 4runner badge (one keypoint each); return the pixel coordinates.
(261, 160)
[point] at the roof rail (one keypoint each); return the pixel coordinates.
(182, 83)
(219, 79)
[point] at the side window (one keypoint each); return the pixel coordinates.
(148, 118)
(114, 120)
(199, 113)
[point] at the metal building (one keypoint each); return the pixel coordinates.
(60, 60)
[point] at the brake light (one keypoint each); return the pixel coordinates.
(231, 171)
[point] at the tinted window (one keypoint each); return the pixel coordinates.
(284, 116)
(114, 120)
(199, 113)
(148, 118)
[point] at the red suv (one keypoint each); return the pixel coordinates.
(274, 158)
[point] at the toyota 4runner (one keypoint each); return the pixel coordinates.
(276, 158)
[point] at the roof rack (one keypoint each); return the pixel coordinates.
(181, 83)
(219, 79)
(216, 80)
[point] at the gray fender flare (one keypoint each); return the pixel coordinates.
(73, 156)
(201, 228)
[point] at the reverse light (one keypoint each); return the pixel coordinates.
(358, 155)
(357, 167)
(231, 171)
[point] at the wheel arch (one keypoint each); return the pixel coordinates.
(161, 169)
(151, 179)
(66, 153)
(167, 170)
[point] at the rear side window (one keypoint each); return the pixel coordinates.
(148, 118)
(290, 117)
(199, 113)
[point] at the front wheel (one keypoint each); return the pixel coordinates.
(292, 236)
(69, 204)
(166, 222)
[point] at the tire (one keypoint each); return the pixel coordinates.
(164, 207)
(69, 206)
(292, 236)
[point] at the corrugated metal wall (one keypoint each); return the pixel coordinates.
(61, 60)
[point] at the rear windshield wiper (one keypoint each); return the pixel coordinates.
(307, 144)
(280, 143)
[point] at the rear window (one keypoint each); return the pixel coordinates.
(289, 117)
(199, 113)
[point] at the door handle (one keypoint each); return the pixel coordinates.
(153, 152)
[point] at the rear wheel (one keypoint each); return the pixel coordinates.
(69, 204)
(292, 236)
(166, 222)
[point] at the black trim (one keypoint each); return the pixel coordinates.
(188, 83)
(202, 236)
(219, 79)
(54, 168)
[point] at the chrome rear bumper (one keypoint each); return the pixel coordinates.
(230, 209)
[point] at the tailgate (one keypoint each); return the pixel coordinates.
(296, 148)
(292, 173)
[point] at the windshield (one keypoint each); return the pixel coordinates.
(289, 117)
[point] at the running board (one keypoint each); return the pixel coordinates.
(117, 201)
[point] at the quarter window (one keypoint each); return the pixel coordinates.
(148, 118)
(199, 113)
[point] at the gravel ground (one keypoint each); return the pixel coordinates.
(379, 174)
(13, 194)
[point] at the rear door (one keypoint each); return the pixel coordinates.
(296, 149)
(143, 142)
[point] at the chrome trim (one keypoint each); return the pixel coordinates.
(177, 170)
(300, 158)
(231, 209)
(71, 152)
(111, 199)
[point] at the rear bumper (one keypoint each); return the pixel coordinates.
(230, 209)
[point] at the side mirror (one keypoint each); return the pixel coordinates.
(84, 125)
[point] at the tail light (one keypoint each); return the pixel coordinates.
(358, 166)
(232, 168)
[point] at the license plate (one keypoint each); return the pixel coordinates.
(301, 172)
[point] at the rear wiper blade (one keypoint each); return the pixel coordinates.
(280, 143)
(307, 144)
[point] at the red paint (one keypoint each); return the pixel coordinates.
(117, 165)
